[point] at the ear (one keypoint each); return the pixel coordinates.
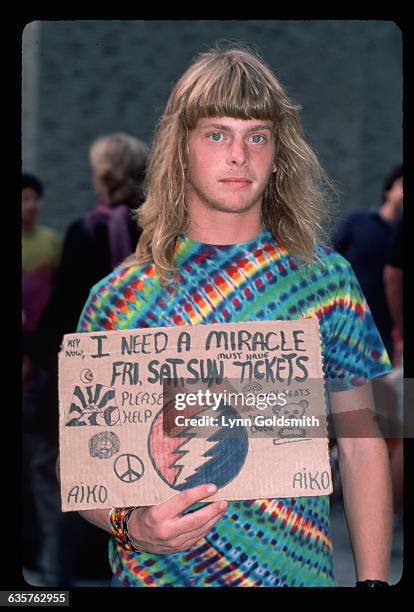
(274, 168)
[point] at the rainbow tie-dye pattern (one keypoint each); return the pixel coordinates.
(266, 542)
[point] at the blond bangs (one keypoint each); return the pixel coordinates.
(229, 91)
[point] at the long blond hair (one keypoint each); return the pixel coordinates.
(231, 82)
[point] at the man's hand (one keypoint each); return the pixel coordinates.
(162, 529)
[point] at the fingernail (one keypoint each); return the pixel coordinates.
(223, 505)
(212, 489)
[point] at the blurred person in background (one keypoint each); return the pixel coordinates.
(104, 236)
(393, 276)
(40, 258)
(393, 282)
(363, 240)
(40, 254)
(93, 245)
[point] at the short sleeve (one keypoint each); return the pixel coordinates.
(89, 320)
(117, 300)
(354, 352)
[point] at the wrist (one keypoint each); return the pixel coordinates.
(119, 518)
(130, 528)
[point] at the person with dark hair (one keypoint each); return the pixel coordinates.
(32, 182)
(393, 275)
(393, 180)
(393, 282)
(40, 259)
(363, 240)
(40, 254)
(231, 221)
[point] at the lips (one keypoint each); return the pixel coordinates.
(236, 181)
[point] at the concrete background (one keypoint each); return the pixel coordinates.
(85, 78)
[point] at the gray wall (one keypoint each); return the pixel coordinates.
(82, 79)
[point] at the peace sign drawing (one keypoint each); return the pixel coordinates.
(128, 468)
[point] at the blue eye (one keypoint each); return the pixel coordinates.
(216, 136)
(257, 138)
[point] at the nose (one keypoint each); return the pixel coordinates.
(237, 152)
(30, 204)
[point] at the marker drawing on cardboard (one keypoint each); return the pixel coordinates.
(146, 413)
(93, 405)
(103, 445)
(185, 462)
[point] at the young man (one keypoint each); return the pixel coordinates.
(229, 234)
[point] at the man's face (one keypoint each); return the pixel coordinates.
(230, 163)
(30, 205)
(396, 192)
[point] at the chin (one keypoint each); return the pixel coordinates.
(232, 208)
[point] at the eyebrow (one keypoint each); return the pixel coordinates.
(254, 128)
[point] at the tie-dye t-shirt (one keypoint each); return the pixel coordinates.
(260, 542)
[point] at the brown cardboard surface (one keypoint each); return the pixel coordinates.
(120, 444)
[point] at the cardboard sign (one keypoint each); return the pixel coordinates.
(147, 413)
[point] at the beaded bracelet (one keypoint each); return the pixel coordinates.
(118, 520)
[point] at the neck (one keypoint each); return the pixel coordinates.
(217, 227)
